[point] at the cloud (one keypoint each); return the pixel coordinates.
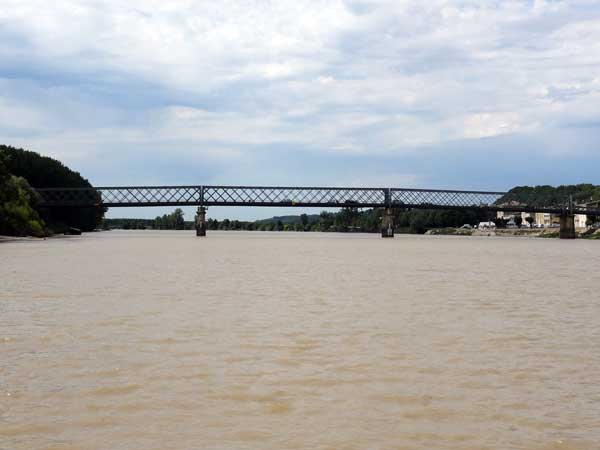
(217, 83)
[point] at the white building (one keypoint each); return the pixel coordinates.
(580, 221)
(547, 219)
(486, 225)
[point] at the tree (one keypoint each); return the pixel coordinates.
(304, 221)
(549, 195)
(418, 222)
(178, 222)
(17, 216)
(325, 221)
(530, 220)
(157, 224)
(519, 221)
(42, 171)
(500, 222)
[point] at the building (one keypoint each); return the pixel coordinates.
(538, 218)
(546, 219)
(486, 225)
(581, 219)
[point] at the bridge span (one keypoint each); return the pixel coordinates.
(285, 196)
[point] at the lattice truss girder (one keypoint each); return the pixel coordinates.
(292, 196)
(120, 196)
(444, 198)
(273, 196)
(212, 195)
(167, 195)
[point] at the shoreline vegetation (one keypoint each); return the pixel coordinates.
(590, 234)
(20, 215)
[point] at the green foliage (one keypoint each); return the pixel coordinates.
(519, 221)
(590, 234)
(17, 217)
(127, 224)
(500, 222)
(42, 171)
(370, 220)
(549, 195)
(293, 219)
(173, 221)
(549, 234)
(346, 220)
(419, 221)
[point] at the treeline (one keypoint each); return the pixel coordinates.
(370, 220)
(173, 221)
(23, 169)
(346, 220)
(551, 196)
(17, 216)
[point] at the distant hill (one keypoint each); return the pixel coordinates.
(550, 195)
(290, 220)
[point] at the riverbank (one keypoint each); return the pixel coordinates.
(548, 233)
(19, 238)
(517, 232)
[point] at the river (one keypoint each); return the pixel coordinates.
(161, 340)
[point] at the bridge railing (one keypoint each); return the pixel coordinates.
(290, 196)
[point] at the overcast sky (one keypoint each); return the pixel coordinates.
(442, 94)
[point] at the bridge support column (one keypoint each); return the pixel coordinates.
(387, 226)
(567, 226)
(201, 221)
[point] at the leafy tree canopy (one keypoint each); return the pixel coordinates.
(17, 217)
(550, 195)
(42, 171)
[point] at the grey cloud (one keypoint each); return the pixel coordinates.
(214, 84)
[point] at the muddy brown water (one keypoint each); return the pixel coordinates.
(249, 340)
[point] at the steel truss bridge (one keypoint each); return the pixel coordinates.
(282, 196)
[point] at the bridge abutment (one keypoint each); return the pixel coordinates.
(201, 221)
(567, 226)
(387, 225)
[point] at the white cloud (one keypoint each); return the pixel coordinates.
(490, 124)
(356, 76)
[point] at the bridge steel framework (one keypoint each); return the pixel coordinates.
(285, 196)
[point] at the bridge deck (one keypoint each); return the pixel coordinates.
(325, 197)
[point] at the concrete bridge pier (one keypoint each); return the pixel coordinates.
(387, 226)
(201, 221)
(567, 226)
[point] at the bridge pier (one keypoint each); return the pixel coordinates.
(201, 221)
(567, 226)
(387, 226)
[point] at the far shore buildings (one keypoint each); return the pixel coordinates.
(546, 219)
